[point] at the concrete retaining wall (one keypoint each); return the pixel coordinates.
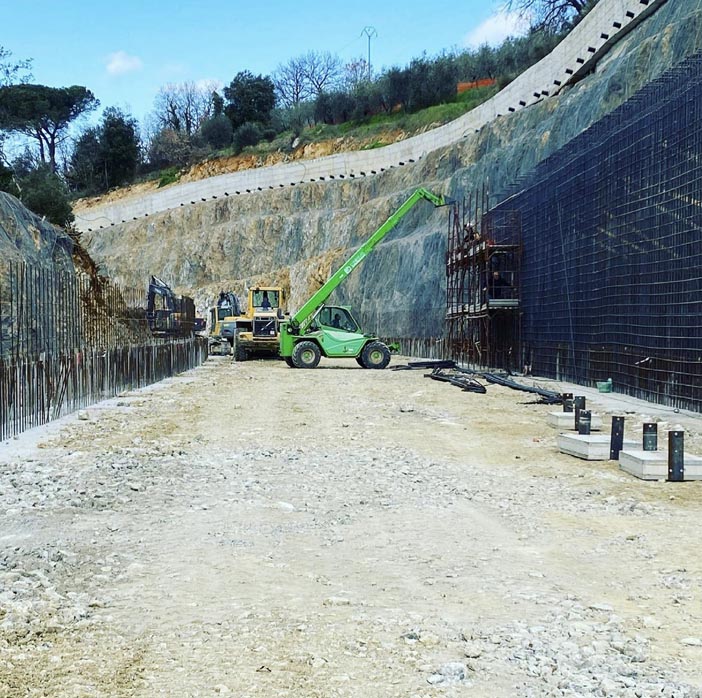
(608, 22)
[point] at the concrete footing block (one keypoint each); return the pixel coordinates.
(588, 447)
(653, 465)
(566, 420)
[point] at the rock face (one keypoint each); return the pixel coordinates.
(25, 237)
(298, 235)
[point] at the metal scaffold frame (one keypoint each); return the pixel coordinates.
(483, 277)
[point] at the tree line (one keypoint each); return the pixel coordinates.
(192, 121)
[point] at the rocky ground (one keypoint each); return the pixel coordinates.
(253, 530)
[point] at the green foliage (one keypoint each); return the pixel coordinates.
(168, 176)
(334, 107)
(11, 71)
(217, 132)
(120, 147)
(247, 134)
(84, 172)
(294, 119)
(105, 156)
(251, 98)
(43, 113)
(217, 104)
(44, 192)
(169, 147)
(7, 181)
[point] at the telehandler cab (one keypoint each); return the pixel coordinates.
(317, 329)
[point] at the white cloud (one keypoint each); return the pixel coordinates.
(120, 62)
(495, 29)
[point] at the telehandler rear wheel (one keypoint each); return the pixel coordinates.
(289, 361)
(306, 355)
(375, 355)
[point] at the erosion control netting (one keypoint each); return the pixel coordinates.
(612, 255)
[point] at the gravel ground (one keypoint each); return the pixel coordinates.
(252, 530)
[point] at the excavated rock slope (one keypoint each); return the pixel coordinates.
(25, 237)
(297, 235)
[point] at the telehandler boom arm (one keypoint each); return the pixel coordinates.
(301, 320)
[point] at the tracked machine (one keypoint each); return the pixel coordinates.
(169, 315)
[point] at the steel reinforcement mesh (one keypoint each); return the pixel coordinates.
(612, 248)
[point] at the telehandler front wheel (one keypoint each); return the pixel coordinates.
(306, 355)
(375, 355)
(289, 361)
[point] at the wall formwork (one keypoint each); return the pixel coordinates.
(612, 248)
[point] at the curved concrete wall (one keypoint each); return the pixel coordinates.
(608, 22)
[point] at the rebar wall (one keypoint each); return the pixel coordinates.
(68, 341)
(612, 232)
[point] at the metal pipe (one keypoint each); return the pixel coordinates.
(616, 440)
(584, 422)
(676, 456)
(650, 436)
(579, 404)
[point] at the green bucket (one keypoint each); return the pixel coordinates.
(605, 386)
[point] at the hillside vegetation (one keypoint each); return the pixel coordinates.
(312, 105)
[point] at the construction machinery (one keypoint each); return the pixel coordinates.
(167, 314)
(318, 329)
(222, 320)
(258, 329)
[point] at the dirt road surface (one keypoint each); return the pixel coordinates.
(256, 531)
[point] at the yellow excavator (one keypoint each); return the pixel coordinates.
(222, 322)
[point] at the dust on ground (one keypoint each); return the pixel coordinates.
(247, 529)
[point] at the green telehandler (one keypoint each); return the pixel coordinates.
(318, 329)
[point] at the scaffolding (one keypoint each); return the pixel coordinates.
(483, 277)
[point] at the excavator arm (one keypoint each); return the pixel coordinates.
(302, 319)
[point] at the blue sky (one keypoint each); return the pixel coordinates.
(125, 51)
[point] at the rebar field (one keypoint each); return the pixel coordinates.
(611, 267)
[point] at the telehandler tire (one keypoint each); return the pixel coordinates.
(306, 355)
(289, 361)
(375, 355)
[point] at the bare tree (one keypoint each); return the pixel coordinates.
(551, 14)
(355, 73)
(183, 107)
(291, 84)
(322, 71)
